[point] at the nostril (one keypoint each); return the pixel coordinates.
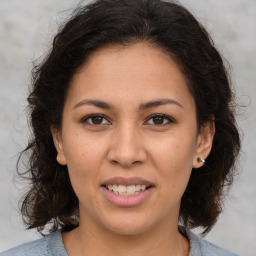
(114, 162)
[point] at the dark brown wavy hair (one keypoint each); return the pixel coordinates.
(50, 203)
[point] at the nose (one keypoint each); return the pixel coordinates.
(126, 147)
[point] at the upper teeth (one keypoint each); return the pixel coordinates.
(126, 190)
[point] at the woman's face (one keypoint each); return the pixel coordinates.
(128, 121)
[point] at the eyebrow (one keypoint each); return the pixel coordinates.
(150, 104)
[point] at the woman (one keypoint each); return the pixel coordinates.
(134, 136)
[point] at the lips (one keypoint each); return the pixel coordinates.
(126, 199)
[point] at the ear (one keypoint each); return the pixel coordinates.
(204, 144)
(57, 139)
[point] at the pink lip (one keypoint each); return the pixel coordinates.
(127, 201)
(127, 181)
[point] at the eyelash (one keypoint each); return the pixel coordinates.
(168, 118)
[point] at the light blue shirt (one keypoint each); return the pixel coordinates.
(52, 245)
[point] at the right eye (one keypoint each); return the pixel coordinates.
(96, 120)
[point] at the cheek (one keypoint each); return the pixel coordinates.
(84, 157)
(173, 158)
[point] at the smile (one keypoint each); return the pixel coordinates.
(130, 190)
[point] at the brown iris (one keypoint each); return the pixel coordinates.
(158, 119)
(97, 119)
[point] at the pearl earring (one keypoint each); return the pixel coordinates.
(199, 159)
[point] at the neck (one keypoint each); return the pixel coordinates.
(164, 240)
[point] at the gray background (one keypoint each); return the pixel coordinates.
(26, 28)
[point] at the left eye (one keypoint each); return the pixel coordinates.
(160, 120)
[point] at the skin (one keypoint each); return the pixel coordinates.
(128, 142)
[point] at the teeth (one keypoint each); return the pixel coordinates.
(121, 189)
(114, 188)
(126, 190)
(143, 187)
(131, 189)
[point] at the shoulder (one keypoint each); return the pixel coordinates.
(200, 247)
(213, 250)
(48, 245)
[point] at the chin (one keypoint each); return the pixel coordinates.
(127, 226)
(127, 231)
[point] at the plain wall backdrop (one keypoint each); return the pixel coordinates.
(26, 30)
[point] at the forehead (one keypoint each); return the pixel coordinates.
(139, 58)
(139, 72)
